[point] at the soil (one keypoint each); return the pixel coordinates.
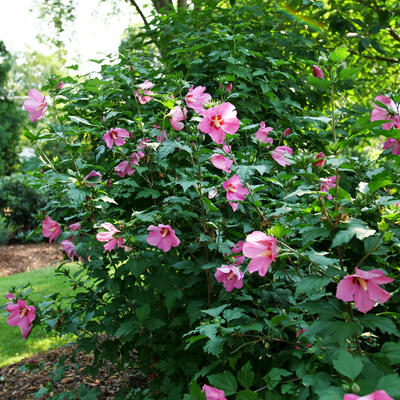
(16, 258)
(20, 385)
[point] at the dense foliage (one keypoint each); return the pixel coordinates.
(156, 195)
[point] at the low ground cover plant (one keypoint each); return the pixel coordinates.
(240, 258)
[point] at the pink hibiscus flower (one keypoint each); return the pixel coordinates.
(381, 113)
(218, 121)
(221, 162)
(75, 227)
(115, 136)
(321, 160)
(143, 93)
(377, 395)
(363, 288)
(231, 276)
(229, 87)
(108, 236)
(262, 134)
(227, 148)
(213, 394)
(26, 332)
(177, 116)
(162, 136)
(196, 98)
(124, 168)
(50, 229)
(328, 183)
(317, 72)
(262, 249)
(36, 105)
(235, 190)
(95, 177)
(21, 314)
(238, 248)
(10, 296)
(163, 236)
(286, 133)
(394, 144)
(278, 155)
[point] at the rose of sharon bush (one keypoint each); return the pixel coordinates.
(231, 276)
(363, 288)
(36, 105)
(218, 121)
(163, 236)
(262, 250)
(50, 229)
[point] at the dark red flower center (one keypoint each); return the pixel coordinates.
(217, 121)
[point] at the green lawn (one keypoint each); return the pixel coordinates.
(12, 347)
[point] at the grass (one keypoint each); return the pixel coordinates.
(12, 347)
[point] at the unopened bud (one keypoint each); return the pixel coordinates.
(42, 171)
(108, 182)
(346, 388)
(355, 388)
(121, 227)
(60, 85)
(286, 133)
(317, 72)
(229, 88)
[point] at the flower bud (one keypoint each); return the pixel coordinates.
(229, 88)
(317, 72)
(346, 388)
(355, 388)
(60, 85)
(286, 133)
(108, 182)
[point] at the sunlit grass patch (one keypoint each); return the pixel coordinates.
(12, 347)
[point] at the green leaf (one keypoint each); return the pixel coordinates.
(246, 376)
(275, 376)
(278, 230)
(143, 312)
(240, 71)
(392, 351)
(195, 391)
(214, 312)
(80, 120)
(29, 134)
(339, 54)
(209, 204)
(311, 284)
(375, 185)
(386, 325)
(355, 227)
(167, 148)
(31, 164)
(246, 395)
(318, 83)
(78, 195)
(390, 384)
(214, 346)
(148, 192)
(348, 365)
(310, 233)
(225, 381)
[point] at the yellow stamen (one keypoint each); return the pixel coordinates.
(266, 253)
(231, 276)
(164, 232)
(23, 312)
(362, 282)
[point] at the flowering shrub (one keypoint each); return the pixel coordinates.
(238, 258)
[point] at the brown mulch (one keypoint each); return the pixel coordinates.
(16, 258)
(20, 385)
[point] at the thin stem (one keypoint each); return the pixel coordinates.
(339, 249)
(323, 207)
(372, 250)
(358, 346)
(333, 109)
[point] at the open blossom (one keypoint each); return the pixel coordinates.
(177, 115)
(213, 394)
(96, 176)
(196, 98)
(115, 136)
(35, 105)
(377, 395)
(237, 248)
(163, 236)
(124, 168)
(235, 190)
(21, 314)
(278, 155)
(221, 162)
(143, 93)
(75, 227)
(317, 72)
(50, 229)
(262, 250)
(394, 144)
(108, 236)
(363, 288)
(328, 183)
(381, 113)
(218, 121)
(231, 276)
(321, 160)
(262, 134)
